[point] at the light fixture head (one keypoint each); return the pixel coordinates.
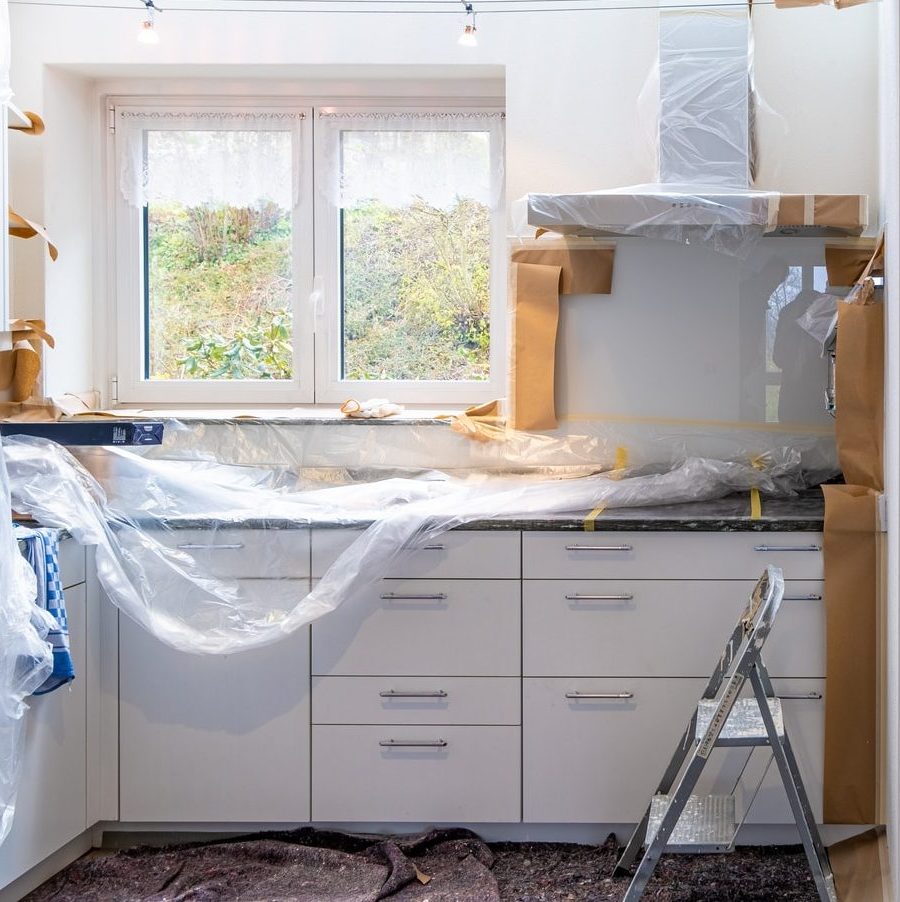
(469, 37)
(148, 33)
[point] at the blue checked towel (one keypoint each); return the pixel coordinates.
(41, 550)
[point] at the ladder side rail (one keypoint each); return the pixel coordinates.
(639, 834)
(796, 793)
(656, 848)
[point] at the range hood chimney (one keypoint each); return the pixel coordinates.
(705, 156)
(704, 98)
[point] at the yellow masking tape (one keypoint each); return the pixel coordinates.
(592, 516)
(621, 458)
(755, 504)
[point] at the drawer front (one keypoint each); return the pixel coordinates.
(599, 760)
(417, 700)
(461, 775)
(455, 555)
(249, 553)
(71, 562)
(423, 627)
(672, 555)
(674, 628)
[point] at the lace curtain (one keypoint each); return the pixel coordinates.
(218, 158)
(397, 158)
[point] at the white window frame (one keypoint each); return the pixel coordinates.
(132, 387)
(330, 387)
(316, 296)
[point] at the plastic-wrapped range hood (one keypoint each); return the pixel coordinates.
(704, 151)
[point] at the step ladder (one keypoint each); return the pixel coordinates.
(677, 821)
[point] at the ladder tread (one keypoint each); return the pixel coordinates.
(707, 824)
(744, 726)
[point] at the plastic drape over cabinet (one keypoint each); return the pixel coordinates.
(172, 582)
(25, 656)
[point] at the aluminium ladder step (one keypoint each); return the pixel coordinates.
(744, 726)
(707, 824)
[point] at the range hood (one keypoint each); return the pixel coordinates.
(704, 153)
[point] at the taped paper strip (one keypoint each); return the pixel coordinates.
(20, 227)
(35, 128)
(535, 321)
(587, 265)
(845, 265)
(851, 754)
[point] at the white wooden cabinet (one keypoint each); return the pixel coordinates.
(51, 808)
(213, 738)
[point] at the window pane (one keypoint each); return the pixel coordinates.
(218, 256)
(416, 270)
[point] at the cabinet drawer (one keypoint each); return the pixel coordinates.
(423, 627)
(416, 700)
(599, 760)
(462, 774)
(71, 562)
(671, 555)
(674, 628)
(455, 555)
(252, 553)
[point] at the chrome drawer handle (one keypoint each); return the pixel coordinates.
(789, 695)
(787, 548)
(599, 548)
(192, 546)
(400, 693)
(432, 547)
(413, 743)
(577, 597)
(811, 597)
(614, 696)
(395, 596)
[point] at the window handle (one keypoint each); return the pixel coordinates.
(317, 297)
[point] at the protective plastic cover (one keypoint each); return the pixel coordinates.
(25, 656)
(177, 589)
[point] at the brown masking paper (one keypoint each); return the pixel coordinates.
(859, 393)
(845, 265)
(20, 227)
(586, 268)
(860, 867)
(843, 212)
(851, 754)
(535, 294)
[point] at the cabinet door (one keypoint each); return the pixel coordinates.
(51, 806)
(213, 738)
(598, 760)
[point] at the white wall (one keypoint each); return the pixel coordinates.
(572, 82)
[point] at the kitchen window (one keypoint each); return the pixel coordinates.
(296, 254)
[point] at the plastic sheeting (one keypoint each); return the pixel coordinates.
(728, 221)
(25, 656)
(172, 583)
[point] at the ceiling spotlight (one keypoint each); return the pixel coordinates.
(469, 37)
(148, 33)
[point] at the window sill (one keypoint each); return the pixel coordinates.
(288, 416)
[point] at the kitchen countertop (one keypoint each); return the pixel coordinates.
(802, 513)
